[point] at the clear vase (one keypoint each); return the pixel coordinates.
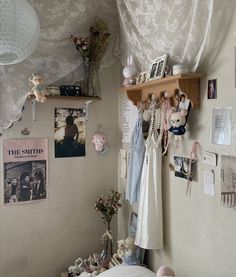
(91, 83)
(107, 252)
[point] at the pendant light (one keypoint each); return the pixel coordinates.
(19, 31)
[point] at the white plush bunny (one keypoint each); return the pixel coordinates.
(129, 72)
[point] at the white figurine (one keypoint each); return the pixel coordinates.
(129, 72)
(77, 268)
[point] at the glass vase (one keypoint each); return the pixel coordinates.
(91, 83)
(107, 252)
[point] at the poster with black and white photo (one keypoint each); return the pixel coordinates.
(69, 132)
(25, 170)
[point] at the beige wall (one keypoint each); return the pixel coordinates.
(43, 239)
(199, 233)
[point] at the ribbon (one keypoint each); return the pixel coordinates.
(106, 235)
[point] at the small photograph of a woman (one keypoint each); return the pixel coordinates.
(212, 89)
(69, 132)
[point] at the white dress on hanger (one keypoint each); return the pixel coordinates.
(149, 233)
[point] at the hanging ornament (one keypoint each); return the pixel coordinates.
(100, 142)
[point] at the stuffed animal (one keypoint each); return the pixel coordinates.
(129, 72)
(178, 122)
(39, 89)
(121, 249)
(130, 258)
(129, 245)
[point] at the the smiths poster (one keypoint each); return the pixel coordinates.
(25, 170)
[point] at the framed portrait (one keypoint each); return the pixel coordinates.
(157, 68)
(212, 89)
(142, 77)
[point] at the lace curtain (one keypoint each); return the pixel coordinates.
(55, 57)
(185, 29)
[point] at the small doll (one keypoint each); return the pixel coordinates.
(39, 88)
(129, 72)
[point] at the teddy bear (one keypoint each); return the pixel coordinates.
(39, 88)
(130, 256)
(178, 121)
(121, 249)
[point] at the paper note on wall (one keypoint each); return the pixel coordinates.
(129, 117)
(209, 182)
(228, 181)
(209, 158)
(221, 126)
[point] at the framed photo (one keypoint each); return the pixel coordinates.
(212, 89)
(157, 68)
(142, 77)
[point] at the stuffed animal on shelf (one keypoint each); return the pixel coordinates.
(121, 249)
(39, 88)
(178, 121)
(129, 72)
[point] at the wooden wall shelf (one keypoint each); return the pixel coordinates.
(77, 98)
(189, 84)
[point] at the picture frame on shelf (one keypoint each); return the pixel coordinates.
(142, 77)
(157, 67)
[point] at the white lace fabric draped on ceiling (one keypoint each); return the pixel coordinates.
(187, 30)
(182, 28)
(55, 57)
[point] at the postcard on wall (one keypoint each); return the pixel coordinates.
(69, 132)
(221, 126)
(209, 182)
(129, 118)
(25, 170)
(209, 158)
(228, 181)
(182, 167)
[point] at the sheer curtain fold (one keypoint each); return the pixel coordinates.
(188, 30)
(55, 57)
(185, 29)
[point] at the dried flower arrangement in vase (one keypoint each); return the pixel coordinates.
(92, 49)
(108, 204)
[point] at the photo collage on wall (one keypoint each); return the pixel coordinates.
(69, 132)
(25, 170)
